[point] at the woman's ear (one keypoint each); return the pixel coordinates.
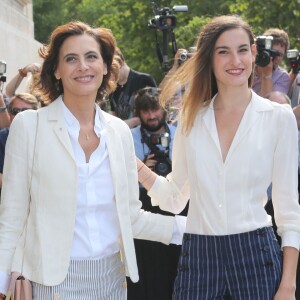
(57, 75)
(104, 69)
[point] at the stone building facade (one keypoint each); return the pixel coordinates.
(17, 44)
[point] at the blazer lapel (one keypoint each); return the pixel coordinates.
(115, 153)
(56, 117)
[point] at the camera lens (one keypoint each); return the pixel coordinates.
(183, 56)
(162, 168)
(262, 58)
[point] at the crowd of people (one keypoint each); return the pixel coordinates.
(115, 188)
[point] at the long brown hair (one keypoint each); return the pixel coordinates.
(196, 75)
(49, 86)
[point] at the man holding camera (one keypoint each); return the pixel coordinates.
(271, 48)
(129, 82)
(153, 139)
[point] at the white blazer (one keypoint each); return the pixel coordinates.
(51, 200)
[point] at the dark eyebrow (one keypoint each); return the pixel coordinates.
(70, 54)
(226, 47)
(74, 54)
(91, 52)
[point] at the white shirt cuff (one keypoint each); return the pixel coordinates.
(178, 230)
(4, 282)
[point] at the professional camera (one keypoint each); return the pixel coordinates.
(293, 56)
(184, 55)
(264, 50)
(2, 70)
(163, 17)
(164, 165)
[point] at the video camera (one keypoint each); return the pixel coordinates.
(163, 17)
(165, 21)
(293, 56)
(2, 71)
(264, 50)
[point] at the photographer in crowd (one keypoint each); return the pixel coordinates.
(4, 117)
(153, 140)
(268, 75)
(181, 56)
(293, 56)
(129, 81)
(33, 69)
(18, 103)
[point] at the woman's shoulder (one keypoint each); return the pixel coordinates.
(115, 122)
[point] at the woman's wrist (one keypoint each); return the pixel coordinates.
(2, 296)
(23, 74)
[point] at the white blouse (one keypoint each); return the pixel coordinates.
(229, 197)
(97, 228)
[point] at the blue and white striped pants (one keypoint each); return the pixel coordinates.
(249, 265)
(102, 279)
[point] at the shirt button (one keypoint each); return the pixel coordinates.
(220, 205)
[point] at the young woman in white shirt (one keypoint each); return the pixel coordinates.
(229, 146)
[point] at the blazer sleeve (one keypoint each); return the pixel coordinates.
(145, 225)
(14, 206)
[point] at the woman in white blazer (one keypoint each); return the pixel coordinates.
(69, 207)
(229, 146)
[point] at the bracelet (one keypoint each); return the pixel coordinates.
(3, 109)
(22, 73)
(140, 167)
(149, 175)
(267, 76)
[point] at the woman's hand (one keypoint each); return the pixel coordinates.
(285, 293)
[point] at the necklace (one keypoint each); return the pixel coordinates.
(87, 137)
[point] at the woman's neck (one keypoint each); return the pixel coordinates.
(83, 108)
(232, 99)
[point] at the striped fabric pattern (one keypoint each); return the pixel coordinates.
(248, 265)
(102, 279)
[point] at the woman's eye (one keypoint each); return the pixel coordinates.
(92, 57)
(70, 59)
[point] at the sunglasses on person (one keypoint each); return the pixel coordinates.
(15, 110)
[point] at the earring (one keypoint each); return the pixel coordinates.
(57, 85)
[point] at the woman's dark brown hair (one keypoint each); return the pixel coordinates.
(49, 86)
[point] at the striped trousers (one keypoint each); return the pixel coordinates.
(248, 265)
(102, 279)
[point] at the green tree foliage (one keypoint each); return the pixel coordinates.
(128, 20)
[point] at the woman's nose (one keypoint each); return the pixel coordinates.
(235, 58)
(83, 65)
